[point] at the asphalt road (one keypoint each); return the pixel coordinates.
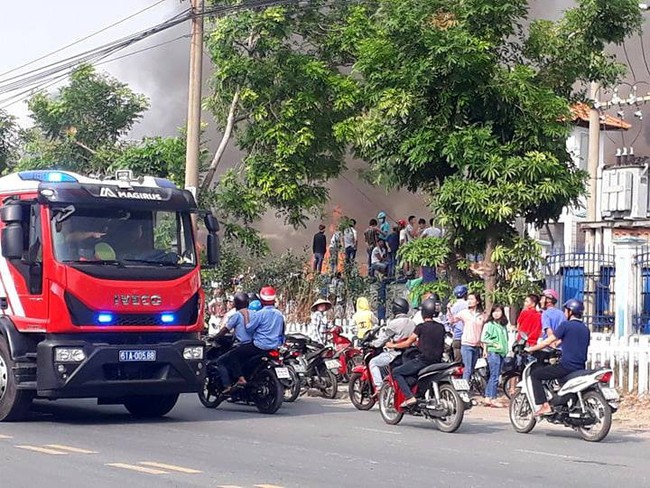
(311, 443)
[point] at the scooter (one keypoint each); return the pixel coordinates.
(442, 396)
(361, 388)
(513, 367)
(315, 365)
(583, 400)
(348, 356)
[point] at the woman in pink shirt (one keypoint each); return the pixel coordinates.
(470, 342)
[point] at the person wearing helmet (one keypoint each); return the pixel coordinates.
(237, 323)
(456, 325)
(574, 336)
(552, 316)
(384, 226)
(255, 305)
(397, 329)
(430, 338)
(267, 329)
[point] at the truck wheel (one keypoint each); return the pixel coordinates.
(14, 403)
(150, 406)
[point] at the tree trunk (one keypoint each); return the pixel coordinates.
(490, 269)
(230, 124)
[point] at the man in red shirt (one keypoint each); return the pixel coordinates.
(530, 320)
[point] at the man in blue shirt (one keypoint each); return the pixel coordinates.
(236, 322)
(574, 336)
(267, 329)
(456, 326)
(552, 316)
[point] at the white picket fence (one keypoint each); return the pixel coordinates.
(629, 357)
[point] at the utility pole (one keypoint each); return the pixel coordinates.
(593, 160)
(194, 100)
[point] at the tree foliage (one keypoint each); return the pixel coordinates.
(8, 139)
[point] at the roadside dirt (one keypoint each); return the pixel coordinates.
(634, 413)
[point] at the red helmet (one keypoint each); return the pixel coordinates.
(267, 294)
(401, 223)
(551, 293)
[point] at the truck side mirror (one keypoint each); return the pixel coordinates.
(213, 250)
(211, 223)
(11, 213)
(12, 241)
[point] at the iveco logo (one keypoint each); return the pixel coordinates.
(143, 300)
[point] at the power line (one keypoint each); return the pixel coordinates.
(628, 62)
(82, 39)
(645, 60)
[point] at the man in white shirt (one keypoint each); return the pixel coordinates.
(379, 258)
(431, 231)
(350, 242)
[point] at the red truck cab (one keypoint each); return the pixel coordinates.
(100, 291)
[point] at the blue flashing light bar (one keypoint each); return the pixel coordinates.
(105, 318)
(167, 318)
(48, 176)
(164, 183)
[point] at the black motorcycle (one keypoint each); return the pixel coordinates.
(263, 375)
(513, 367)
(314, 364)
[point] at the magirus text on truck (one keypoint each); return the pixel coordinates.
(100, 291)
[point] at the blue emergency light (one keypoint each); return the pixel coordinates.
(105, 318)
(47, 176)
(167, 318)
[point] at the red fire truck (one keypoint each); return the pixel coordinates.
(100, 291)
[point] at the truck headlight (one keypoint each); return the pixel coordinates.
(69, 355)
(193, 353)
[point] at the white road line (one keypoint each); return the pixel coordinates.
(70, 449)
(42, 450)
(380, 431)
(5, 436)
(170, 467)
(551, 454)
(229, 486)
(267, 486)
(139, 469)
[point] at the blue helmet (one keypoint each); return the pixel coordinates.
(381, 215)
(255, 305)
(576, 307)
(460, 291)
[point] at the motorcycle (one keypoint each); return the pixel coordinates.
(582, 400)
(442, 396)
(348, 356)
(513, 367)
(314, 364)
(263, 375)
(361, 388)
(292, 386)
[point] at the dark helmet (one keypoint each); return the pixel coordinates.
(428, 309)
(460, 291)
(252, 297)
(576, 307)
(400, 306)
(241, 300)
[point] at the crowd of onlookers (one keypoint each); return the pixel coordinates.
(381, 240)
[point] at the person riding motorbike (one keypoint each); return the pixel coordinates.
(236, 322)
(399, 328)
(574, 336)
(267, 329)
(430, 338)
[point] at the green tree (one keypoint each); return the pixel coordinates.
(8, 139)
(278, 91)
(460, 101)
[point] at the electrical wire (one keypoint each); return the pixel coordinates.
(627, 57)
(645, 60)
(82, 39)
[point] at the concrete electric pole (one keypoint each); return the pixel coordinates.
(194, 100)
(593, 160)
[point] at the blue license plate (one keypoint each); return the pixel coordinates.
(136, 355)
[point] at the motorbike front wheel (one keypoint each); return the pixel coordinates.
(452, 402)
(387, 407)
(360, 392)
(292, 392)
(521, 413)
(510, 385)
(598, 407)
(207, 396)
(329, 384)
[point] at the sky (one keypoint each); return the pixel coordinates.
(162, 73)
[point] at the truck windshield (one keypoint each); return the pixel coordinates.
(122, 237)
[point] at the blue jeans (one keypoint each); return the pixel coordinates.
(470, 356)
(494, 361)
(318, 262)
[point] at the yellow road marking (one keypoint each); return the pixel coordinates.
(42, 450)
(70, 449)
(140, 469)
(170, 467)
(5, 436)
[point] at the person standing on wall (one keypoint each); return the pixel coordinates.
(319, 247)
(350, 242)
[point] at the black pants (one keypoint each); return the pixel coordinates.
(242, 354)
(546, 373)
(409, 368)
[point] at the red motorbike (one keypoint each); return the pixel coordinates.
(361, 388)
(345, 353)
(442, 396)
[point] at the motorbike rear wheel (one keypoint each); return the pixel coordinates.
(328, 382)
(387, 407)
(450, 399)
(292, 392)
(596, 404)
(207, 396)
(521, 414)
(510, 383)
(269, 393)
(360, 392)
